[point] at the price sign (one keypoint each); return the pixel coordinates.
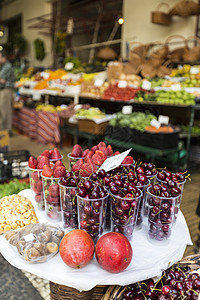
(98, 82)
(163, 120)
(155, 123)
(29, 237)
(114, 161)
(194, 70)
(176, 87)
(122, 83)
(127, 109)
(146, 84)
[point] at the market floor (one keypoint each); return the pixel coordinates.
(37, 288)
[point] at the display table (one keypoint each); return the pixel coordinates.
(148, 260)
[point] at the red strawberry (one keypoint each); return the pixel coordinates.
(101, 153)
(38, 198)
(59, 172)
(128, 160)
(54, 190)
(102, 144)
(32, 162)
(89, 154)
(85, 153)
(54, 200)
(39, 187)
(116, 153)
(55, 154)
(94, 148)
(87, 169)
(57, 164)
(104, 150)
(76, 167)
(35, 176)
(46, 153)
(50, 152)
(47, 171)
(43, 161)
(110, 150)
(77, 151)
(39, 157)
(97, 159)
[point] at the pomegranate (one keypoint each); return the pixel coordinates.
(77, 248)
(113, 252)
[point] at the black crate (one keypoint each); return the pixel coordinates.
(156, 140)
(118, 133)
(14, 164)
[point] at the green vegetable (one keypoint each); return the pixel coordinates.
(13, 187)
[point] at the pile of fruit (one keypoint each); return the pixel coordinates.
(175, 97)
(120, 94)
(177, 282)
(91, 113)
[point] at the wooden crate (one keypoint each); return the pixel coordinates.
(92, 127)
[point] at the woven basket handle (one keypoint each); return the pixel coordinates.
(176, 36)
(134, 43)
(192, 38)
(162, 4)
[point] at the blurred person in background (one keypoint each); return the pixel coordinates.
(6, 92)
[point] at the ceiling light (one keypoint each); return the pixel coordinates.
(121, 21)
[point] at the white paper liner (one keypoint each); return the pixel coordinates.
(148, 260)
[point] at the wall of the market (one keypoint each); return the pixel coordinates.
(138, 26)
(30, 9)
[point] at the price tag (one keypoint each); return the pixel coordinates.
(155, 123)
(163, 120)
(127, 109)
(114, 161)
(69, 66)
(175, 87)
(146, 84)
(45, 75)
(98, 82)
(122, 84)
(194, 70)
(29, 237)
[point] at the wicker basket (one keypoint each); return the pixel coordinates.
(193, 53)
(185, 8)
(160, 17)
(176, 54)
(141, 50)
(159, 50)
(90, 126)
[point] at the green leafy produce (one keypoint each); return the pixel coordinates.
(13, 187)
(135, 120)
(157, 82)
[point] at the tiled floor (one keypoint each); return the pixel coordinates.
(188, 207)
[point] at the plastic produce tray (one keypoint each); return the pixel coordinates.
(14, 164)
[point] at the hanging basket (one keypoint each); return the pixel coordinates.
(192, 54)
(185, 8)
(177, 53)
(148, 70)
(160, 17)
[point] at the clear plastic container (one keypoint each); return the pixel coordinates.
(91, 215)
(161, 216)
(52, 199)
(124, 212)
(72, 160)
(142, 211)
(36, 187)
(68, 198)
